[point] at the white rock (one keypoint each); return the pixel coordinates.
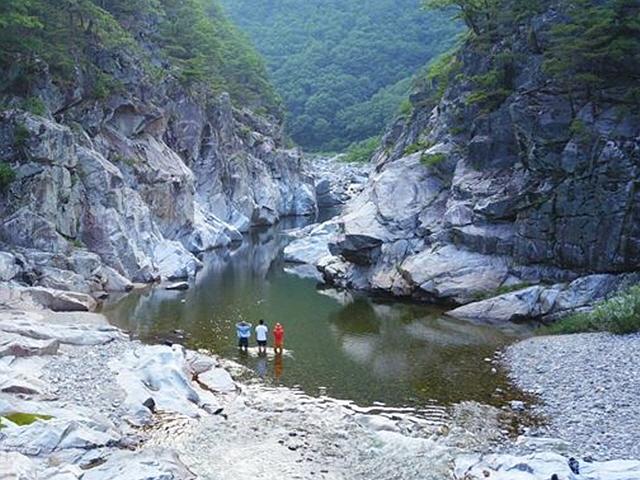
(33, 325)
(8, 266)
(174, 261)
(541, 466)
(151, 464)
(217, 380)
(159, 372)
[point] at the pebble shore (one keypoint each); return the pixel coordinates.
(588, 388)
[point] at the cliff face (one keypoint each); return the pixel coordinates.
(539, 187)
(133, 186)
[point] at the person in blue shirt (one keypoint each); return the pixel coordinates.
(243, 330)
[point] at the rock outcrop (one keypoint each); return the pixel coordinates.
(468, 200)
(134, 186)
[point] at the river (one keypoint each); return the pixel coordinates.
(345, 345)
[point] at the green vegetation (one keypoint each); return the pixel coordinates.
(598, 47)
(417, 147)
(192, 39)
(7, 175)
(342, 66)
(620, 314)
(21, 135)
(34, 105)
(432, 159)
(440, 73)
(22, 419)
(501, 290)
(362, 151)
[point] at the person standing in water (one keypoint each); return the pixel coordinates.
(278, 339)
(261, 336)
(243, 330)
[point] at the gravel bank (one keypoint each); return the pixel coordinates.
(588, 385)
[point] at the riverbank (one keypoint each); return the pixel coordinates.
(588, 386)
(99, 406)
(80, 400)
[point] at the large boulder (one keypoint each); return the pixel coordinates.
(46, 298)
(545, 302)
(160, 373)
(451, 274)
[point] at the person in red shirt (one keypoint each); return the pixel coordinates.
(278, 339)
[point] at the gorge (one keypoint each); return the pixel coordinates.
(150, 198)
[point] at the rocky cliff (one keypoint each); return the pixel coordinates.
(486, 189)
(131, 186)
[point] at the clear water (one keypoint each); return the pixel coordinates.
(347, 346)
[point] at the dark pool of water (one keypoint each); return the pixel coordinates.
(348, 346)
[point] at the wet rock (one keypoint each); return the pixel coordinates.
(177, 286)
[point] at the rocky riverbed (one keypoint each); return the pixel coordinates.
(588, 386)
(78, 399)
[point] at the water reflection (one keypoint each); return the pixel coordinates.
(346, 345)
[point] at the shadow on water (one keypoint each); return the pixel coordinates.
(346, 345)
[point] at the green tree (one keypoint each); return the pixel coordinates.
(335, 61)
(478, 15)
(598, 46)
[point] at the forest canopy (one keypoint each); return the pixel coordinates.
(342, 67)
(191, 39)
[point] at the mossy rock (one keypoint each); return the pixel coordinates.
(21, 419)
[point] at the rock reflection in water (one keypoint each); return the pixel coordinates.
(346, 345)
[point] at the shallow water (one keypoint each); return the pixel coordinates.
(346, 346)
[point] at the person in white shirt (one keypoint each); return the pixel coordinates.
(262, 331)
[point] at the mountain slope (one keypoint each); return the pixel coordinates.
(329, 58)
(121, 156)
(517, 166)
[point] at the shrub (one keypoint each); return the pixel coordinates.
(20, 136)
(432, 159)
(620, 315)
(417, 147)
(7, 175)
(34, 105)
(362, 151)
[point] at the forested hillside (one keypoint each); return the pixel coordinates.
(189, 39)
(342, 66)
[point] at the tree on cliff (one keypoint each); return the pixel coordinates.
(192, 39)
(598, 46)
